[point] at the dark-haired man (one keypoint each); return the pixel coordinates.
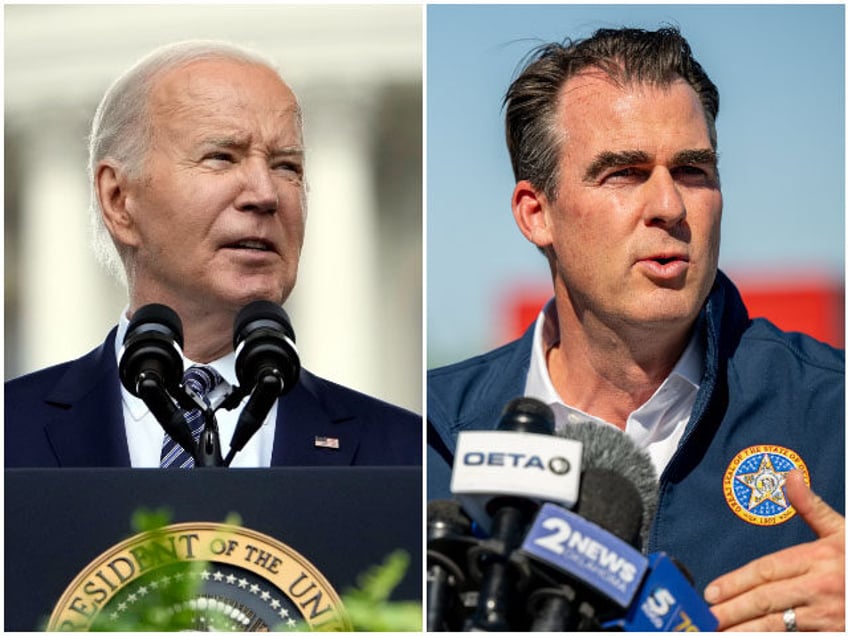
(613, 146)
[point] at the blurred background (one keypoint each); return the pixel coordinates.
(357, 306)
(780, 70)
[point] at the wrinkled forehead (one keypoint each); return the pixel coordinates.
(206, 90)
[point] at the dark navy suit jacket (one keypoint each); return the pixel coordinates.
(71, 415)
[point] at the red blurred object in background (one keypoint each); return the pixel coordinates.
(813, 304)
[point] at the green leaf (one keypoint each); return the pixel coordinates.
(369, 607)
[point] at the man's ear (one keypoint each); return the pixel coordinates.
(110, 185)
(530, 208)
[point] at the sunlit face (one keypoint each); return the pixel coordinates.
(635, 225)
(218, 213)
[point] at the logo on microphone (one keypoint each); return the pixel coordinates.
(754, 484)
(573, 545)
(556, 465)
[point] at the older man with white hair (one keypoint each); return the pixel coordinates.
(197, 167)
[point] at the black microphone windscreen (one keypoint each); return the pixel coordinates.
(151, 349)
(606, 447)
(261, 310)
(263, 339)
(157, 314)
(527, 415)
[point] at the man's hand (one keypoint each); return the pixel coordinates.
(810, 577)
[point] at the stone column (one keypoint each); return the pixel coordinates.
(67, 301)
(336, 298)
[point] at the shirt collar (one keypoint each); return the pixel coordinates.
(680, 385)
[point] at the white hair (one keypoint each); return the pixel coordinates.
(121, 127)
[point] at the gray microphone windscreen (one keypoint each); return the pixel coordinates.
(607, 448)
(611, 501)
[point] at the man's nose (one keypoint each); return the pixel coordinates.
(664, 203)
(259, 192)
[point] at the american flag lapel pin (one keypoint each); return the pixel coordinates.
(326, 442)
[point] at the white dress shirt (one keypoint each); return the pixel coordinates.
(657, 425)
(145, 435)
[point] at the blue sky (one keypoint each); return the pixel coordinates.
(781, 129)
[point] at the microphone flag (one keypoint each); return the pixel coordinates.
(586, 552)
(667, 602)
(490, 464)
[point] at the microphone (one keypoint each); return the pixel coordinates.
(151, 349)
(595, 546)
(521, 459)
(500, 477)
(150, 367)
(448, 541)
(263, 340)
(600, 567)
(667, 597)
(667, 602)
(267, 365)
(607, 448)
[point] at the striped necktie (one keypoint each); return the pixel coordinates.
(201, 380)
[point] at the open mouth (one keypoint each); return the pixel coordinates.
(666, 259)
(252, 244)
(666, 265)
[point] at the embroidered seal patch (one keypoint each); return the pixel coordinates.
(753, 484)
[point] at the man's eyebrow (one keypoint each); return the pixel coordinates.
(691, 157)
(608, 159)
(239, 143)
(224, 141)
(288, 151)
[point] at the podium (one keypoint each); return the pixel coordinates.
(341, 520)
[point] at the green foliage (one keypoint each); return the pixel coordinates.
(144, 520)
(369, 607)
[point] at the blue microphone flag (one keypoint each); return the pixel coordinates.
(667, 602)
(586, 552)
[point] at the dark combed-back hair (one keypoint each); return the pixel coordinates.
(626, 55)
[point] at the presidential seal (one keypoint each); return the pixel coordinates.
(753, 484)
(230, 578)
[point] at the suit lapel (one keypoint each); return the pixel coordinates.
(85, 425)
(310, 424)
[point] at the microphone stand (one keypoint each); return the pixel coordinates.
(551, 608)
(209, 445)
(207, 451)
(496, 566)
(268, 388)
(171, 418)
